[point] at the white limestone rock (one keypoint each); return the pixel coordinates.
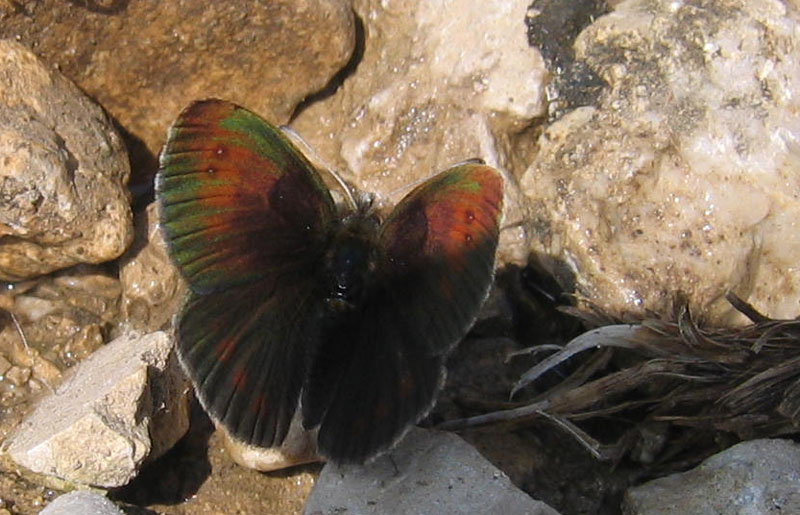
(685, 176)
(126, 403)
(439, 82)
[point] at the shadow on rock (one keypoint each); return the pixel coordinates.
(178, 474)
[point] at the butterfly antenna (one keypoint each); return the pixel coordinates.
(308, 150)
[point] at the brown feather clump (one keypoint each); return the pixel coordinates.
(696, 384)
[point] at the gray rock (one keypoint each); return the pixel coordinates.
(751, 478)
(124, 404)
(435, 473)
(63, 172)
(81, 503)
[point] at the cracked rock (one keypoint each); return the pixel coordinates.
(125, 404)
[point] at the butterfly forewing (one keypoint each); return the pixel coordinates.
(238, 202)
(245, 217)
(453, 262)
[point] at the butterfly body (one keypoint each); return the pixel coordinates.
(297, 304)
(350, 260)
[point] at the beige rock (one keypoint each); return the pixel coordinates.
(126, 403)
(18, 376)
(63, 172)
(439, 82)
(145, 60)
(4, 365)
(298, 448)
(153, 290)
(685, 176)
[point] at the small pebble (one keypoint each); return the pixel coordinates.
(81, 503)
(18, 376)
(46, 371)
(4, 365)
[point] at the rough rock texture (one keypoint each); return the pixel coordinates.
(80, 503)
(145, 60)
(152, 288)
(63, 172)
(62, 319)
(684, 177)
(429, 472)
(299, 447)
(126, 403)
(439, 82)
(751, 478)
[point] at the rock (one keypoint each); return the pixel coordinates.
(684, 176)
(298, 448)
(439, 82)
(18, 376)
(59, 320)
(755, 477)
(152, 288)
(553, 26)
(63, 316)
(124, 404)
(63, 172)
(81, 502)
(428, 472)
(145, 60)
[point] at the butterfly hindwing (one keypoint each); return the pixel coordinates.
(246, 350)
(435, 266)
(245, 217)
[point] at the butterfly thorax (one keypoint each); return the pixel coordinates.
(350, 260)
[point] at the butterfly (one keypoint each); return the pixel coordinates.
(298, 303)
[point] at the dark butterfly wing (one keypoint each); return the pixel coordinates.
(245, 217)
(238, 202)
(435, 267)
(245, 350)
